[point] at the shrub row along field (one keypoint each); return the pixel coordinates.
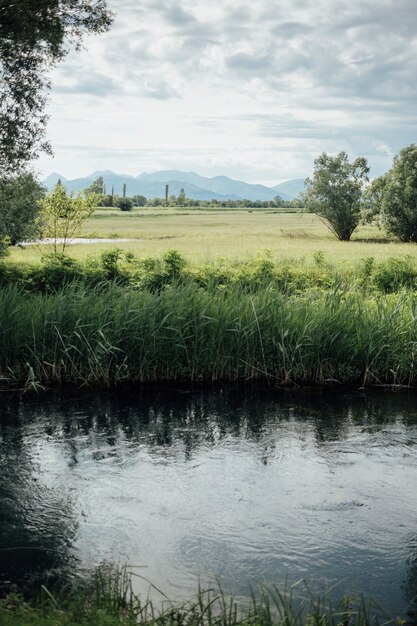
(110, 335)
(259, 273)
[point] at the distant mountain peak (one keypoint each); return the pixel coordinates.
(99, 173)
(166, 174)
(292, 187)
(153, 184)
(54, 177)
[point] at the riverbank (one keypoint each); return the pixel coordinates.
(109, 600)
(113, 334)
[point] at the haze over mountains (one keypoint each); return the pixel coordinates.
(195, 186)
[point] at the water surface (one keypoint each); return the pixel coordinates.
(245, 485)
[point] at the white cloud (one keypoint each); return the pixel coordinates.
(255, 90)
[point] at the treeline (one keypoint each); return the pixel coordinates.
(126, 203)
(277, 202)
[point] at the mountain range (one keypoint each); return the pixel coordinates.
(195, 186)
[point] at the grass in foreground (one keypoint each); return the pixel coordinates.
(109, 335)
(110, 601)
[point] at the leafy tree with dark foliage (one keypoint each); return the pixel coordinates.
(391, 200)
(123, 203)
(335, 192)
(34, 36)
(139, 200)
(19, 198)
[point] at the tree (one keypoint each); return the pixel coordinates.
(19, 196)
(391, 200)
(124, 204)
(181, 200)
(297, 202)
(61, 216)
(105, 200)
(97, 187)
(278, 201)
(139, 200)
(34, 36)
(335, 191)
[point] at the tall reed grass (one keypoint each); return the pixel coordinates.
(111, 601)
(112, 334)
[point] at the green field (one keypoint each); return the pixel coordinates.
(346, 313)
(232, 234)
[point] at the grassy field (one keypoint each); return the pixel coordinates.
(235, 234)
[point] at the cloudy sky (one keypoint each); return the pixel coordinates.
(252, 90)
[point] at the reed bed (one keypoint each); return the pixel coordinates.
(112, 334)
(111, 601)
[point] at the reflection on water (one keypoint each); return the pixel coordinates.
(246, 485)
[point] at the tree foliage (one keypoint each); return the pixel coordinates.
(139, 200)
(97, 186)
(124, 204)
(392, 198)
(34, 35)
(334, 193)
(19, 208)
(279, 202)
(61, 216)
(182, 198)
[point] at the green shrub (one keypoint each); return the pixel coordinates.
(395, 274)
(154, 274)
(55, 271)
(253, 276)
(319, 258)
(109, 261)
(366, 269)
(174, 263)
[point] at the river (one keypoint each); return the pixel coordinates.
(240, 484)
